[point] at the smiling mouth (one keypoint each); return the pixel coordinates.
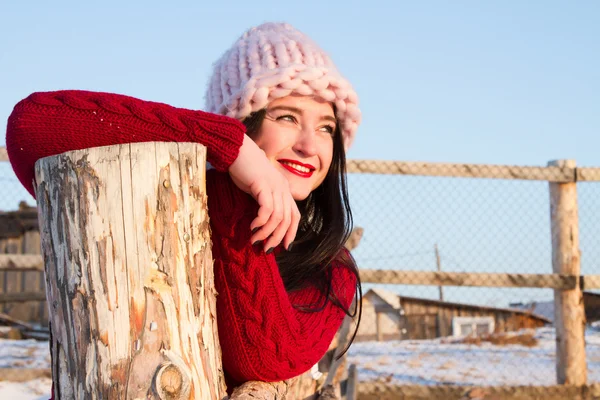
(297, 169)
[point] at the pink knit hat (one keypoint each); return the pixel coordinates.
(274, 60)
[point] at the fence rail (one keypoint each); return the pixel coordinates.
(550, 281)
(21, 262)
(485, 171)
(431, 278)
(385, 391)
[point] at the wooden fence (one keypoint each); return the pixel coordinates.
(565, 279)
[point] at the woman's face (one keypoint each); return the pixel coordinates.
(297, 137)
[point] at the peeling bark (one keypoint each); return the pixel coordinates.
(129, 273)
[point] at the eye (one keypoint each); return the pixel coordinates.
(329, 129)
(286, 117)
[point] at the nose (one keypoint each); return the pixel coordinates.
(306, 142)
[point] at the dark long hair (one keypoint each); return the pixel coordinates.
(325, 225)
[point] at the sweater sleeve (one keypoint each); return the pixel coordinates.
(50, 123)
(262, 336)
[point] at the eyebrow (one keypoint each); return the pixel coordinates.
(299, 112)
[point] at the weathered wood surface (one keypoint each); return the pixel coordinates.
(569, 312)
(483, 171)
(551, 174)
(23, 262)
(554, 281)
(127, 254)
(21, 297)
(386, 391)
(256, 390)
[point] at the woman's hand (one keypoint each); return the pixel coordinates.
(278, 215)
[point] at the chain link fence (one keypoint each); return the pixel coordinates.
(492, 221)
(11, 191)
(456, 218)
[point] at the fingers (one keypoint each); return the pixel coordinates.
(265, 203)
(282, 225)
(272, 224)
(277, 219)
(293, 226)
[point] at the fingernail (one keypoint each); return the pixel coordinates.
(270, 250)
(255, 229)
(290, 247)
(255, 243)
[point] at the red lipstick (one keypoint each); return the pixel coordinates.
(293, 170)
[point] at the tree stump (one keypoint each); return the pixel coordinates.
(129, 273)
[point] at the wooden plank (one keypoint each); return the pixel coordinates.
(569, 312)
(589, 282)
(588, 174)
(8, 320)
(550, 174)
(21, 262)
(552, 281)
(379, 390)
(19, 297)
(3, 154)
(31, 243)
(484, 171)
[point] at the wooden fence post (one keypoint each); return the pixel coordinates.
(129, 273)
(569, 310)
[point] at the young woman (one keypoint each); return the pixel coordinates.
(279, 119)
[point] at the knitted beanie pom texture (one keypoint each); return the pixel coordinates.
(275, 60)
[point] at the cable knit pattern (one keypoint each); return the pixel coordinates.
(263, 337)
(49, 123)
(274, 60)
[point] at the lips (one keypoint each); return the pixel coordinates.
(298, 168)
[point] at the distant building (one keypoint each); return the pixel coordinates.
(19, 234)
(388, 316)
(591, 303)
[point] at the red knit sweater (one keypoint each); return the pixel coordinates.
(262, 336)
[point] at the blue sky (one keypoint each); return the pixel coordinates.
(463, 81)
(504, 82)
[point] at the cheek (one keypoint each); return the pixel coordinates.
(269, 144)
(327, 155)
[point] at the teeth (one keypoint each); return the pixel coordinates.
(296, 167)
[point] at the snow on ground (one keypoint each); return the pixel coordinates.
(425, 362)
(25, 354)
(37, 389)
(447, 361)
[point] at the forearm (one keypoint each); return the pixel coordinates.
(50, 123)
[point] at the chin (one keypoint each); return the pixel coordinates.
(300, 195)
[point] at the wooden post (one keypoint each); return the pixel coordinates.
(569, 313)
(438, 264)
(352, 383)
(129, 273)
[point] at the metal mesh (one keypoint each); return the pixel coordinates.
(474, 336)
(11, 190)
